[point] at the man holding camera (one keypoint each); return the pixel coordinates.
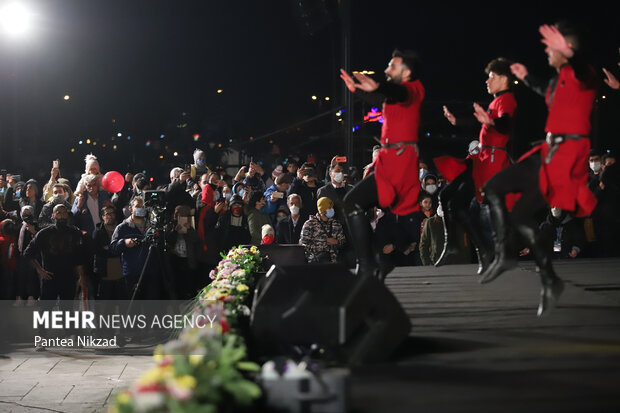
(126, 242)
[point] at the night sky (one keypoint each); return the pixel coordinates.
(153, 65)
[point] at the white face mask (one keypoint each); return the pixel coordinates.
(595, 166)
(431, 189)
(556, 212)
(140, 212)
(338, 177)
(423, 173)
(294, 210)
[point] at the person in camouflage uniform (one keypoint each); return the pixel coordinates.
(322, 235)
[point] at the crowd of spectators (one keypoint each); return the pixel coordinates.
(55, 241)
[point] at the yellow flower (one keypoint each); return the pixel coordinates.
(195, 359)
(242, 287)
(124, 398)
(155, 375)
(186, 382)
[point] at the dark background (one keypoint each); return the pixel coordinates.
(147, 68)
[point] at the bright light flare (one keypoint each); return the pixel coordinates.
(15, 19)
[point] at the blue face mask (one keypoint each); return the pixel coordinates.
(330, 213)
(217, 195)
(228, 196)
(140, 212)
(200, 162)
(241, 193)
(18, 193)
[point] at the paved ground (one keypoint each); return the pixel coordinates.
(481, 348)
(70, 382)
(472, 348)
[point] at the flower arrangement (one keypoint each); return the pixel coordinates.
(204, 369)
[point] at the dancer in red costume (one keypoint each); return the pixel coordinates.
(554, 174)
(391, 185)
(467, 177)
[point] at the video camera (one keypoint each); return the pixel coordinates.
(155, 203)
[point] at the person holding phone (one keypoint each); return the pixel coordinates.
(391, 184)
(275, 195)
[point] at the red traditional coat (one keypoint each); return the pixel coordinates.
(491, 159)
(564, 180)
(396, 169)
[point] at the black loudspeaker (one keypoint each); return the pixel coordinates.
(283, 254)
(356, 319)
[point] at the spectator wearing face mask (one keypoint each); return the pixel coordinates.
(432, 241)
(595, 173)
(232, 227)
(257, 217)
(335, 190)
(322, 236)
(29, 194)
(59, 196)
(269, 235)
(58, 253)
(430, 187)
(288, 230)
(275, 195)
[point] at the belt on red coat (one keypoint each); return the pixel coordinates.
(554, 141)
(401, 146)
(493, 149)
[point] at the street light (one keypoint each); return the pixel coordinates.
(15, 19)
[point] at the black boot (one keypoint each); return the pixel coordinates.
(473, 232)
(361, 237)
(542, 249)
(505, 258)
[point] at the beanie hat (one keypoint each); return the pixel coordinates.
(277, 172)
(198, 154)
(323, 204)
(267, 230)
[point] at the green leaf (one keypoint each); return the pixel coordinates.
(248, 366)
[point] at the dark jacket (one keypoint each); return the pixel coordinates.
(132, 259)
(83, 218)
(337, 196)
(286, 233)
(229, 235)
(101, 240)
(308, 194)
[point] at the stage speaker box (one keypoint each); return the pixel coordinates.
(355, 319)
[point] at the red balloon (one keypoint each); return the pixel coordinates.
(113, 182)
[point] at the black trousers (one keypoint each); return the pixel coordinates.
(364, 195)
(522, 178)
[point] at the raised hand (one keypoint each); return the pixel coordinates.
(554, 40)
(365, 83)
(482, 115)
(348, 80)
(611, 80)
(449, 116)
(519, 70)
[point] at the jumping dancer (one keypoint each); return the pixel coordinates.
(553, 174)
(468, 178)
(392, 184)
